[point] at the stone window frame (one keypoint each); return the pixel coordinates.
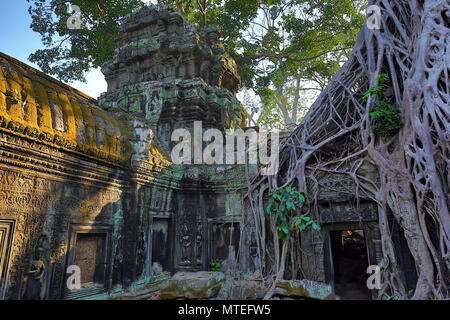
(107, 230)
(10, 231)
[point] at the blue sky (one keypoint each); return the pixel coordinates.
(19, 41)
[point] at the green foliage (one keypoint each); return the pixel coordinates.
(283, 203)
(306, 40)
(304, 223)
(215, 264)
(69, 54)
(232, 16)
(274, 42)
(295, 34)
(382, 82)
(386, 119)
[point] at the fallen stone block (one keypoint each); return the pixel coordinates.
(242, 290)
(192, 285)
(304, 289)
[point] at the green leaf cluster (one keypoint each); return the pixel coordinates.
(282, 205)
(69, 54)
(216, 264)
(304, 223)
(386, 118)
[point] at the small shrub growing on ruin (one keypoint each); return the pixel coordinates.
(386, 118)
(216, 265)
(283, 203)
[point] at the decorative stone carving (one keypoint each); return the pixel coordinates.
(57, 116)
(199, 244)
(68, 164)
(141, 254)
(172, 56)
(118, 260)
(38, 275)
(186, 241)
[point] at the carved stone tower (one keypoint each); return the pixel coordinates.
(170, 73)
(165, 74)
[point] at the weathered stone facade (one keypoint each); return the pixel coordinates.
(337, 211)
(90, 183)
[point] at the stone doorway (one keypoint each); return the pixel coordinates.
(349, 264)
(89, 256)
(90, 249)
(224, 242)
(161, 252)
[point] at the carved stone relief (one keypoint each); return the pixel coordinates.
(186, 241)
(92, 178)
(38, 276)
(199, 244)
(141, 255)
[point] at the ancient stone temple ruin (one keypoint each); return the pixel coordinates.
(89, 183)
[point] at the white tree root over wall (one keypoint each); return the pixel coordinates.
(413, 48)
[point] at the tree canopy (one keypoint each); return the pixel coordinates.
(283, 48)
(70, 53)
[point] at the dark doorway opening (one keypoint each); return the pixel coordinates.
(350, 263)
(161, 245)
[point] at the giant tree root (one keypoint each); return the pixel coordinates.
(413, 48)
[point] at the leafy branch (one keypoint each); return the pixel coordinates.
(283, 203)
(386, 118)
(216, 264)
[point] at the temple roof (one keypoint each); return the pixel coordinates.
(39, 107)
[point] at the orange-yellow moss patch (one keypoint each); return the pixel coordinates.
(39, 107)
